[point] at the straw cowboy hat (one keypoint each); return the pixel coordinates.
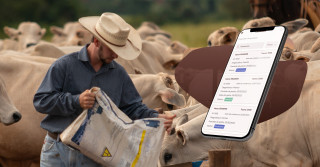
(113, 31)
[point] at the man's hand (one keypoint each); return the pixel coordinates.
(168, 122)
(87, 99)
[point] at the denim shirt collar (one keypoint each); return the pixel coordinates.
(83, 56)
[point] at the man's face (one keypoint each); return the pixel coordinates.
(105, 54)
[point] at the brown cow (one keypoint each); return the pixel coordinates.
(223, 36)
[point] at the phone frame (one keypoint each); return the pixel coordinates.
(265, 90)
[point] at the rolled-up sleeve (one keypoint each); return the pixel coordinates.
(131, 102)
(50, 98)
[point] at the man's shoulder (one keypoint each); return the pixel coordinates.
(68, 58)
(118, 66)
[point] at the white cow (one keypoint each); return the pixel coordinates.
(27, 34)
(288, 140)
(261, 22)
(151, 29)
(20, 144)
(8, 112)
(71, 34)
(158, 91)
(153, 59)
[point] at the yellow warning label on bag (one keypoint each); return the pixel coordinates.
(106, 153)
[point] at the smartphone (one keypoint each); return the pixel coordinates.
(244, 85)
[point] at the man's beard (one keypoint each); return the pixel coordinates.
(103, 60)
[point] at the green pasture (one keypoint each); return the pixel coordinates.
(190, 34)
(195, 35)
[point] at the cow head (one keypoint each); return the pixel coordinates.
(159, 91)
(27, 34)
(71, 34)
(8, 112)
(151, 29)
(289, 54)
(262, 22)
(223, 36)
(185, 143)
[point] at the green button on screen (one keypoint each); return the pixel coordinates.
(228, 99)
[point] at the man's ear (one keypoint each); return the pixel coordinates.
(96, 42)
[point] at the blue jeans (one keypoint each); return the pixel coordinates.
(56, 154)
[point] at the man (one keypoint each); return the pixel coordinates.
(64, 92)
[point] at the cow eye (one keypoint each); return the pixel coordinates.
(288, 54)
(170, 106)
(39, 33)
(255, 24)
(167, 157)
(169, 80)
(79, 34)
(220, 32)
(19, 33)
(173, 130)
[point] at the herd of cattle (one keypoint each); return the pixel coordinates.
(290, 139)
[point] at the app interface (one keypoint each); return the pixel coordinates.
(237, 98)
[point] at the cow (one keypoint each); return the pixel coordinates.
(71, 34)
(305, 55)
(151, 29)
(8, 112)
(304, 39)
(261, 22)
(27, 34)
(223, 36)
(158, 91)
(153, 59)
(20, 144)
(290, 139)
(9, 44)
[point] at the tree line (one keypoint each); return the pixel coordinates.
(57, 12)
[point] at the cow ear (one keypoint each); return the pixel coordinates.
(295, 25)
(182, 137)
(229, 38)
(182, 120)
(172, 64)
(43, 31)
(316, 46)
(11, 32)
(170, 96)
(57, 31)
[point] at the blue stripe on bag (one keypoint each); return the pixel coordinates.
(79, 134)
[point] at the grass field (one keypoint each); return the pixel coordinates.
(190, 34)
(195, 35)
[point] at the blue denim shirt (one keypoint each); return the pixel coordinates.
(58, 94)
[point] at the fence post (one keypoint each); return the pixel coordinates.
(220, 158)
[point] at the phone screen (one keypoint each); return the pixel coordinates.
(239, 98)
